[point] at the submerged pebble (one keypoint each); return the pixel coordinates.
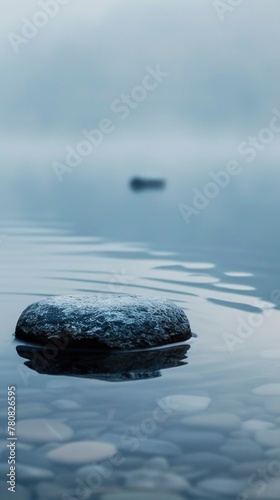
(272, 405)
(157, 463)
(58, 385)
(217, 421)
(269, 492)
(28, 410)
(208, 460)
(130, 443)
(104, 321)
(35, 457)
(253, 426)
(247, 468)
(66, 404)
(273, 453)
(269, 438)
(242, 449)
(82, 452)
(43, 430)
(194, 439)
(90, 433)
(95, 476)
(222, 485)
(152, 479)
(267, 390)
(141, 495)
(28, 473)
(52, 491)
(185, 404)
(21, 493)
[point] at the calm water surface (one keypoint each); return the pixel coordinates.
(200, 420)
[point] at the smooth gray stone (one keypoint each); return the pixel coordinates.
(271, 492)
(196, 475)
(66, 404)
(185, 404)
(132, 444)
(273, 453)
(138, 417)
(157, 463)
(21, 492)
(132, 463)
(269, 438)
(248, 468)
(208, 460)
(80, 415)
(140, 495)
(223, 485)
(82, 453)
(90, 433)
(35, 457)
(118, 427)
(29, 473)
(33, 410)
(21, 449)
(252, 426)
(267, 390)
(52, 491)
(58, 385)
(104, 321)
(242, 450)
(43, 430)
(272, 405)
(94, 475)
(229, 405)
(150, 479)
(216, 421)
(239, 435)
(82, 424)
(194, 440)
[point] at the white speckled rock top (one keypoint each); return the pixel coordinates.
(104, 321)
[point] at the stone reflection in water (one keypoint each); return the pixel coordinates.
(112, 366)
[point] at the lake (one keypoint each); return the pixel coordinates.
(199, 420)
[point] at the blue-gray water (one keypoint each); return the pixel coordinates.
(199, 421)
(228, 446)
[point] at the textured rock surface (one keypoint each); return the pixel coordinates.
(104, 321)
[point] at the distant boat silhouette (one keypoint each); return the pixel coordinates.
(140, 183)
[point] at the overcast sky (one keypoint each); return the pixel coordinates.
(223, 76)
